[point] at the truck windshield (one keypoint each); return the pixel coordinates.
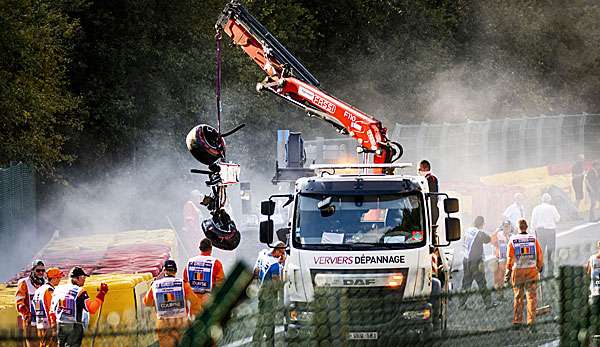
(344, 221)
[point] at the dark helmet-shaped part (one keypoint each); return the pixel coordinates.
(205, 144)
(221, 231)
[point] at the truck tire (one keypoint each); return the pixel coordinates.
(439, 311)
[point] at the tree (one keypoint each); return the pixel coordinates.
(38, 113)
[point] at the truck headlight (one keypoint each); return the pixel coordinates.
(423, 314)
(395, 280)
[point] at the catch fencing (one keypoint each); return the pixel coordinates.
(18, 216)
(17, 200)
(479, 148)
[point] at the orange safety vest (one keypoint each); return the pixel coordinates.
(524, 258)
(200, 273)
(27, 298)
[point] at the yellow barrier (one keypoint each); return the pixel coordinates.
(8, 312)
(518, 177)
(122, 308)
(534, 181)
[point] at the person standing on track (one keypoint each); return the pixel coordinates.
(525, 263)
(203, 272)
(268, 270)
(515, 211)
(543, 220)
(26, 288)
(434, 187)
(42, 300)
(577, 175)
(593, 270)
(500, 241)
(592, 184)
(192, 219)
(170, 296)
(71, 304)
(473, 264)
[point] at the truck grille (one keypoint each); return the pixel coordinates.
(359, 306)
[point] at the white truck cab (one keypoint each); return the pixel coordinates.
(364, 235)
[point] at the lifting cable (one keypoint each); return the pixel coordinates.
(218, 80)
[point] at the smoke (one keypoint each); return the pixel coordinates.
(503, 59)
(514, 60)
(522, 60)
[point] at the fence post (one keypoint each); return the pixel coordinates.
(558, 140)
(442, 162)
(574, 311)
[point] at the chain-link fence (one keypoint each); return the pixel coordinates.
(248, 315)
(17, 199)
(503, 144)
(481, 147)
(463, 317)
(381, 316)
(17, 216)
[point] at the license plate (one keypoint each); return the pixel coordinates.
(363, 336)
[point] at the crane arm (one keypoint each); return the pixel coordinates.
(290, 80)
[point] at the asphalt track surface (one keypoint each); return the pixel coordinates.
(472, 325)
(575, 242)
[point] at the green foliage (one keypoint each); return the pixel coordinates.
(38, 113)
(99, 84)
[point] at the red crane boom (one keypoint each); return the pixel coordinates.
(290, 80)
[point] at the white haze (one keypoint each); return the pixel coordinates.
(486, 85)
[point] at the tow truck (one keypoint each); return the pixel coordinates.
(365, 227)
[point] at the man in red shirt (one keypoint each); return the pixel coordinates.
(203, 272)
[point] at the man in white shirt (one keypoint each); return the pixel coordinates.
(543, 220)
(515, 211)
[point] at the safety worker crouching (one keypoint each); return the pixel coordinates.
(525, 263)
(72, 306)
(42, 300)
(593, 270)
(170, 296)
(26, 288)
(203, 272)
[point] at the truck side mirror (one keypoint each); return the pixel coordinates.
(452, 229)
(267, 207)
(266, 231)
(450, 205)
